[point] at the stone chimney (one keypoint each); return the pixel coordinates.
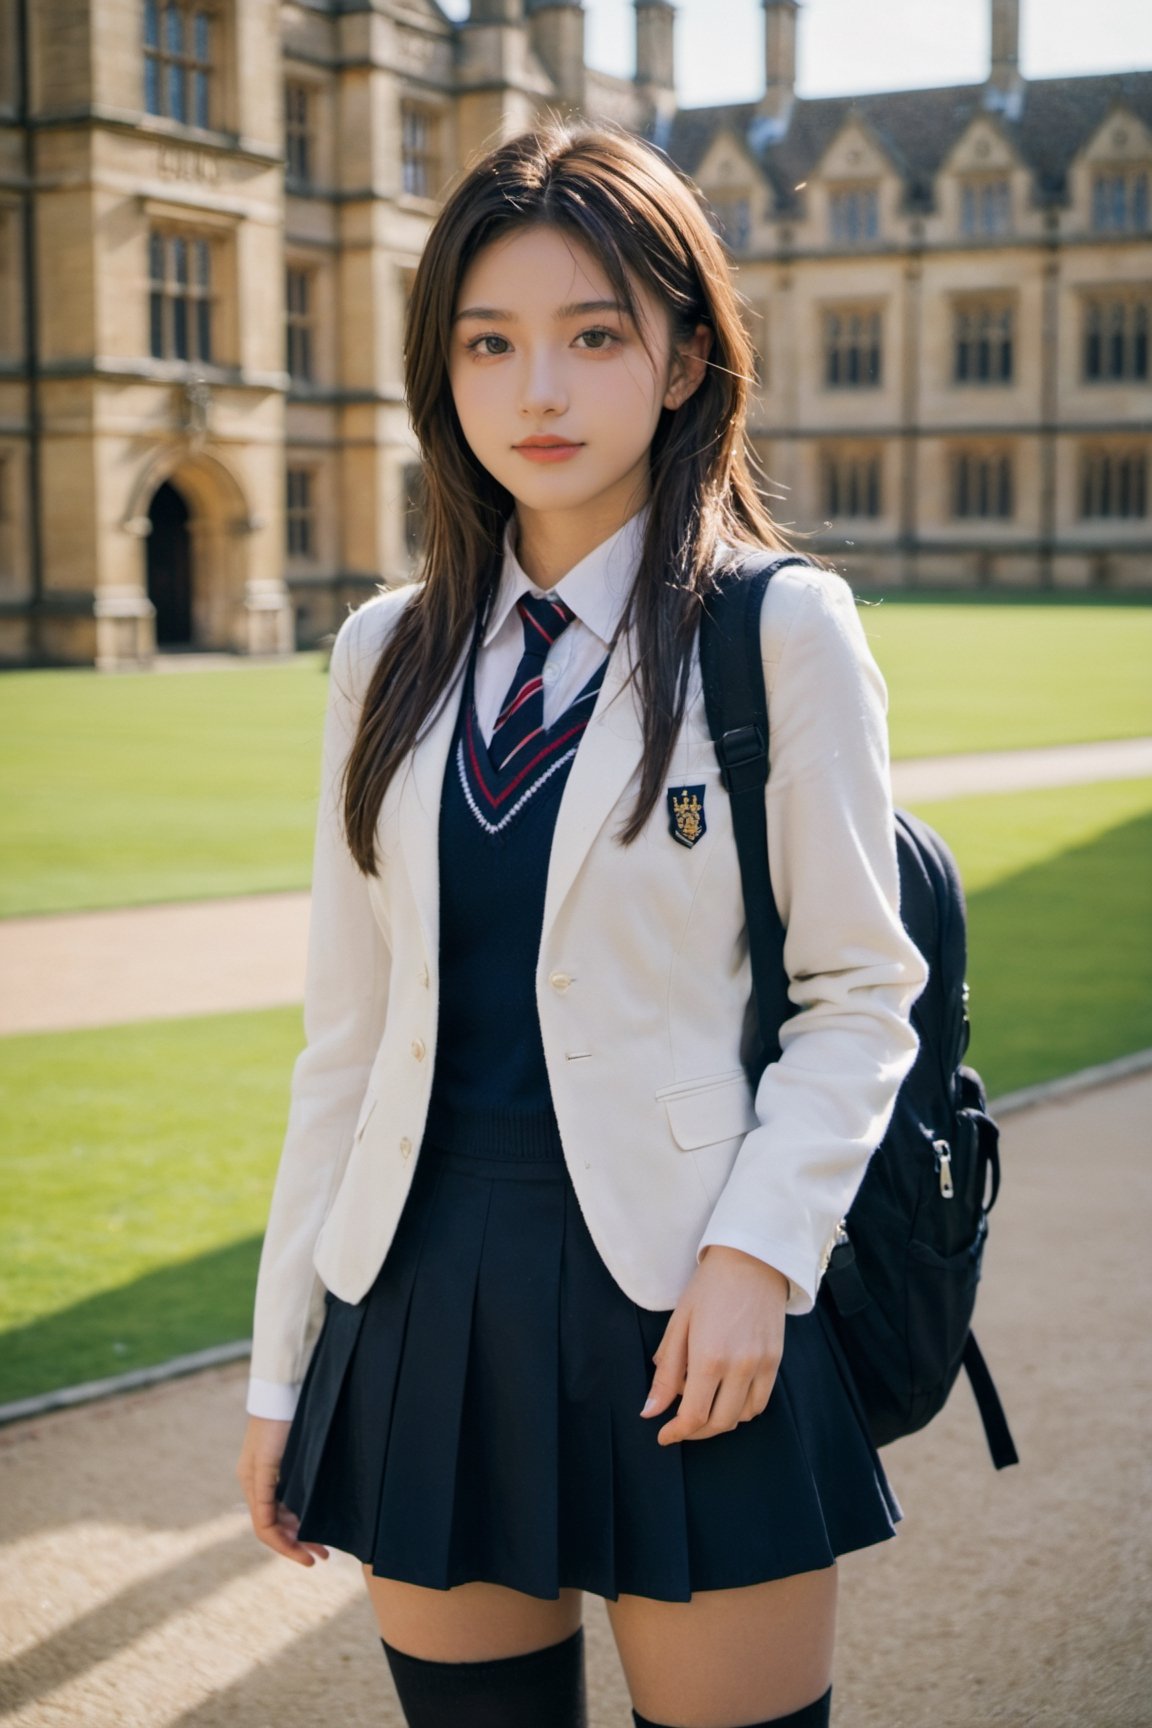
(655, 46)
(780, 18)
(1004, 91)
(496, 12)
(1005, 70)
(556, 31)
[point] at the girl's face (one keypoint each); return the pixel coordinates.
(557, 390)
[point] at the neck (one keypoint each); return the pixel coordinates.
(550, 543)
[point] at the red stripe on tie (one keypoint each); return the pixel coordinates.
(529, 618)
(520, 697)
(498, 798)
(515, 751)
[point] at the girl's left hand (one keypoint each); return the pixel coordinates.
(721, 1348)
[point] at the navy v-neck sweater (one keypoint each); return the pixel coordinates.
(490, 1092)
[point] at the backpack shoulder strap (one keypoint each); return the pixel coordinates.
(999, 1436)
(736, 706)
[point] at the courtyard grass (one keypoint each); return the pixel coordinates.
(125, 789)
(964, 677)
(1059, 890)
(137, 1161)
(137, 1165)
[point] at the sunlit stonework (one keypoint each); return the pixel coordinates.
(208, 229)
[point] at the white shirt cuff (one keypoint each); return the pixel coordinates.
(272, 1400)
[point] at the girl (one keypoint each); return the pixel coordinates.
(534, 1312)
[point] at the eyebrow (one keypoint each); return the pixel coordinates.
(578, 309)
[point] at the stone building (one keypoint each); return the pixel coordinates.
(951, 291)
(210, 211)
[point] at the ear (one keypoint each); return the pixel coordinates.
(689, 364)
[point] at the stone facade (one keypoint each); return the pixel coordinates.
(210, 211)
(142, 355)
(951, 291)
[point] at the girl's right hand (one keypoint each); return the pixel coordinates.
(258, 1472)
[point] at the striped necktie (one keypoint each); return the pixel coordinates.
(521, 716)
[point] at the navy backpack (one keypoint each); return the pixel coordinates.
(900, 1287)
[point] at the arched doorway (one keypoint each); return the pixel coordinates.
(170, 568)
(209, 566)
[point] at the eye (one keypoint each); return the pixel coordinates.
(477, 345)
(598, 339)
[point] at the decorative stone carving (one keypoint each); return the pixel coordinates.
(195, 406)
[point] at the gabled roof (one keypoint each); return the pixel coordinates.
(739, 142)
(918, 128)
(1061, 115)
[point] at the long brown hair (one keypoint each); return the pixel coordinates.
(643, 222)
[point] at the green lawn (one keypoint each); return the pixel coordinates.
(122, 789)
(1007, 677)
(1059, 887)
(137, 1165)
(137, 1162)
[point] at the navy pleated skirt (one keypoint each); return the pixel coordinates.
(477, 1416)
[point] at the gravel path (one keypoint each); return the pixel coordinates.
(151, 962)
(214, 956)
(132, 1594)
(926, 778)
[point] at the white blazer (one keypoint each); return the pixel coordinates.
(642, 986)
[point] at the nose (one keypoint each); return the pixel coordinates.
(542, 389)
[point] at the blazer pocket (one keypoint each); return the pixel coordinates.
(702, 1112)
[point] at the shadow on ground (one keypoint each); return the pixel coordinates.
(132, 1592)
(170, 1312)
(1061, 961)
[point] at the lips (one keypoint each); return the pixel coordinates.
(547, 449)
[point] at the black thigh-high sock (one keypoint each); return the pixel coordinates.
(542, 1687)
(815, 1715)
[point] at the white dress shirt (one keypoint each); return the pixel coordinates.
(596, 590)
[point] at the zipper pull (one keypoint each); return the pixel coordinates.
(944, 1166)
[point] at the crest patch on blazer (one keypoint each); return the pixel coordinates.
(686, 819)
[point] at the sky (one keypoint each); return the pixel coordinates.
(850, 46)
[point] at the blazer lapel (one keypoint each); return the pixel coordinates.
(610, 753)
(418, 812)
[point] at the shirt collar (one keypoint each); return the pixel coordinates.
(596, 588)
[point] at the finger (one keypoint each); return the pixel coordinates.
(274, 1524)
(672, 1366)
(280, 1542)
(757, 1396)
(695, 1407)
(290, 1523)
(727, 1405)
(751, 1406)
(761, 1390)
(664, 1390)
(281, 1537)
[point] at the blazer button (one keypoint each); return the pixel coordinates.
(418, 1049)
(405, 1147)
(560, 981)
